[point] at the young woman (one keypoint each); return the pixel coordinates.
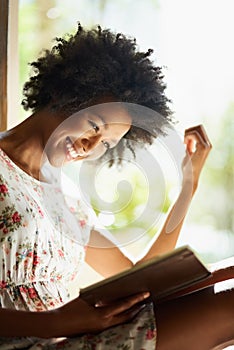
(79, 95)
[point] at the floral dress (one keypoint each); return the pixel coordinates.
(42, 249)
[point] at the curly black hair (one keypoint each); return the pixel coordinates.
(93, 63)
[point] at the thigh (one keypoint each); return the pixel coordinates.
(201, 320)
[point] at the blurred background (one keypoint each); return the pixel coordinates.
(193, 42)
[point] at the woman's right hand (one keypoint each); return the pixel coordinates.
(198, 146)
(79, 317)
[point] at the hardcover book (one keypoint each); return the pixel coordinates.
(168, 275)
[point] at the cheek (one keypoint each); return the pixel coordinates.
(97, 153)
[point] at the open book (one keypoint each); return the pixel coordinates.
(176, 273)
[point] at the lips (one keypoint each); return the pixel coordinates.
(71, 152)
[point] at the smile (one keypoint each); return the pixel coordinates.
(70, 149)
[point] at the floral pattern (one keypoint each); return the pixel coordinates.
(10, 219)
(42, 249)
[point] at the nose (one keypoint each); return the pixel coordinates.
(88, 144)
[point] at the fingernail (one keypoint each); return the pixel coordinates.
(98, 303)
(146, 295)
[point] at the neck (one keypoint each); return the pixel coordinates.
(24, 145)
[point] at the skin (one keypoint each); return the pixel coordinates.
(202, 320)
(198, 147)
(92, 132)
(42, 137)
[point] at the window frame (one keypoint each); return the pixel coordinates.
(4, 20)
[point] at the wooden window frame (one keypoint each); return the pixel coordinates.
(4, 15)
(9, 64)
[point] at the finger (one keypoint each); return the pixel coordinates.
(125, 304)
(127, 315)
(138, 297)
(203, 144)
(191, 143)
(200, 133)
(99, 303)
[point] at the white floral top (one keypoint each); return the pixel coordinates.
(43, 235)
(40, 241)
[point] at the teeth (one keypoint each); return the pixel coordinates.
(71, 150)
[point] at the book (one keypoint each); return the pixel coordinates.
(171, 274)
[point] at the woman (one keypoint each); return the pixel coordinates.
(77, 96)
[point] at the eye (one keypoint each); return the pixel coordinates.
(94, 126)
(106, 144)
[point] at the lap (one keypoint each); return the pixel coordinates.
(140, 333)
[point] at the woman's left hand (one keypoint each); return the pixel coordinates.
(198, 147)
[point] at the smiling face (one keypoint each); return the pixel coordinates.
(88, 134)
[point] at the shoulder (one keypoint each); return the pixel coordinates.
(7, 168)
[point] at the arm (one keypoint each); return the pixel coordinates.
(76, 317)
(198, 147)
(16, 323)
(104, 256)
(109, 261)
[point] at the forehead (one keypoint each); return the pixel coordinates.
(114, 113)
(109, 113)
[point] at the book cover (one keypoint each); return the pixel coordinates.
(162, 276)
